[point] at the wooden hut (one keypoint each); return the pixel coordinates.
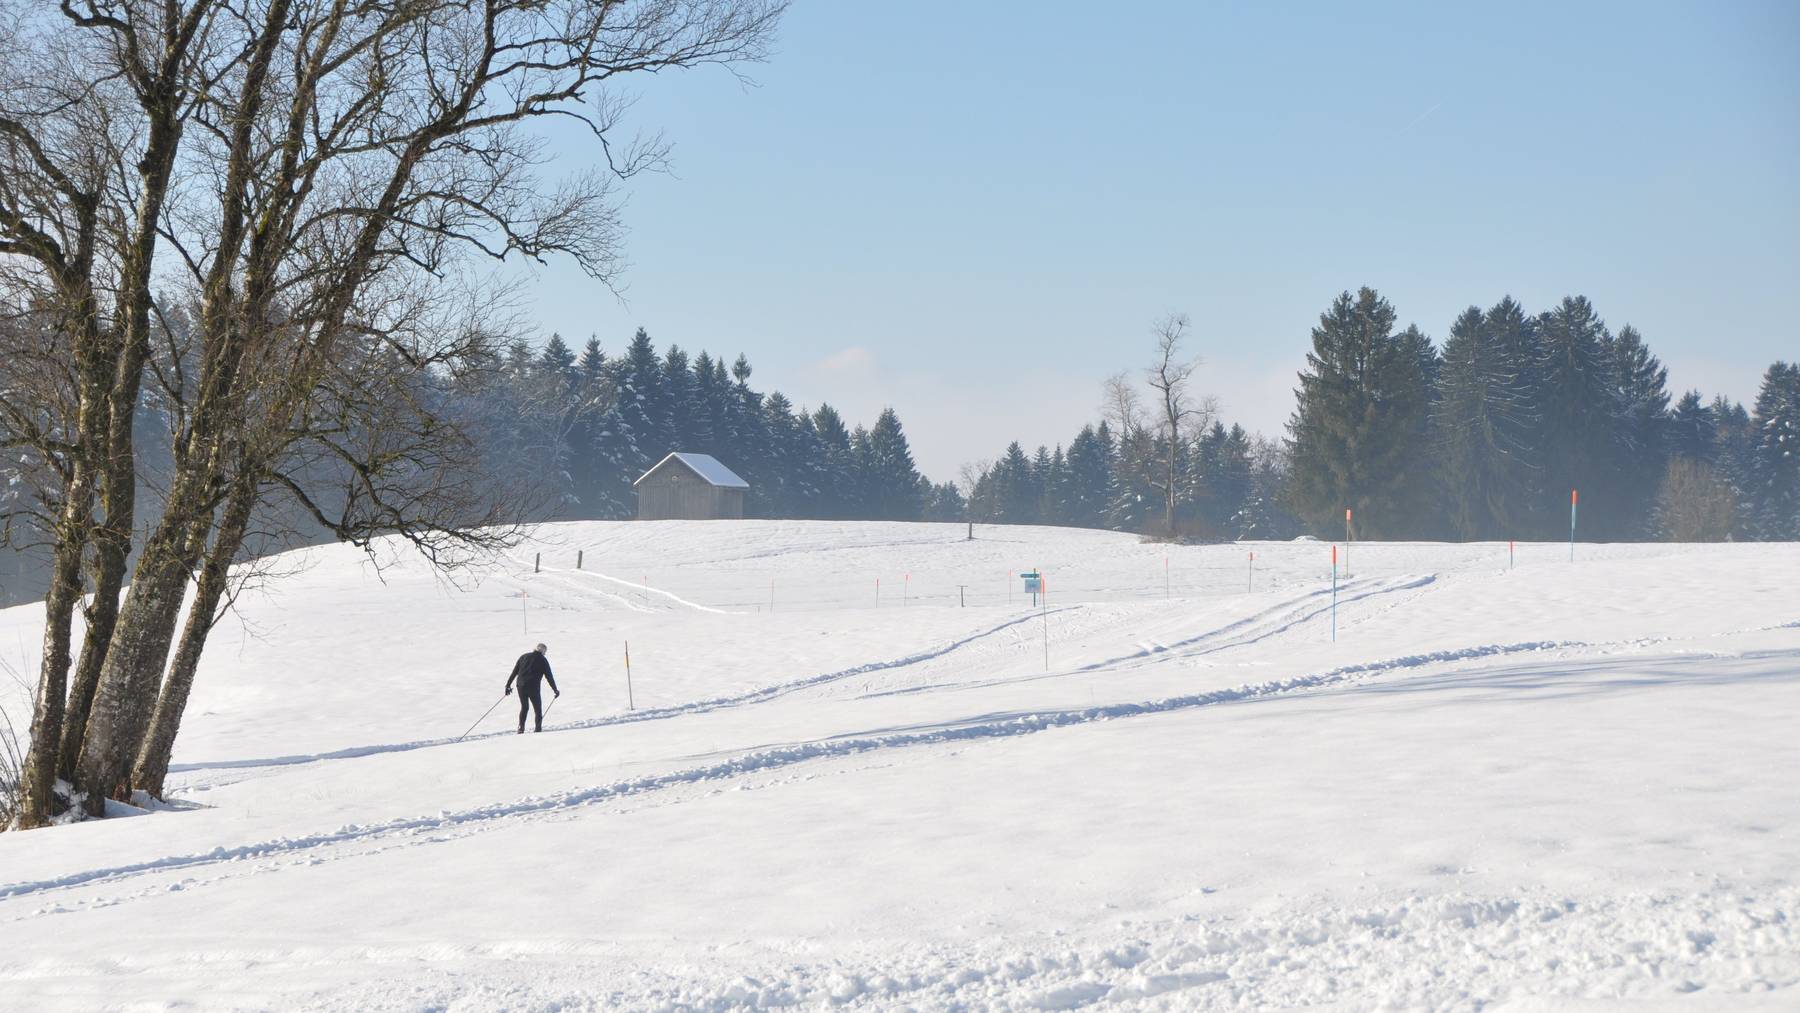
(690, 487)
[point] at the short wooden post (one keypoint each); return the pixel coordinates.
(578, 554)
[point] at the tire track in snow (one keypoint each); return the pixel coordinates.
(480, 818)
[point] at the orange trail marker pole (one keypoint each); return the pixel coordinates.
(1334, 593)
(1346, 543)
(1250, 582)
(1574, 498)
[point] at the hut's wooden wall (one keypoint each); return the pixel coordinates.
(675, 493)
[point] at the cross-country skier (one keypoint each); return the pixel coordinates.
(532, 667)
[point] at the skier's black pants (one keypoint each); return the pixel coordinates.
(531, 700)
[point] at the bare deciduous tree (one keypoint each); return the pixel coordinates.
(1694, 503)
(303, 164)
(1121, 405)
(1179, 412)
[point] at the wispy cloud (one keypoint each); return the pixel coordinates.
(851, 360)
(1435, 106)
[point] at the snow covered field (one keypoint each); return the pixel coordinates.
(1554, 785)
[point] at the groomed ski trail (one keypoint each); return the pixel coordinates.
(479, 818)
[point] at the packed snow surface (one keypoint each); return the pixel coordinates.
(856, 767)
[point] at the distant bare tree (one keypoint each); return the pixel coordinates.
(1694, 503)
(1179, 411)
(1121, 405)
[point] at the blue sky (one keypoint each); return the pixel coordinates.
(973, 212)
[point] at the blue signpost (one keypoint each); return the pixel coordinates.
(1034, 583)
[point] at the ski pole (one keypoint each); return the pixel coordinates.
(480, 719)
(551, 704)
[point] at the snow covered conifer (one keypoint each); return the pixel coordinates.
(678, 391)
(1641, 427)
(641, 400)
(1089, 467)
(557, 356)
(894, 479)
(1482, 425)
(836, 465)
(1358, 433)
(1692, 429)
(1578, 446)
(1773, 481)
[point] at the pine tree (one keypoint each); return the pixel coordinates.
(1732, 440)
(1579, 447)
(1043, 473)
(1089, 474)
(1692, 429)
(592, 365)
(617, 463)
(1054, 507)
(557, 355)
(809, 450)
(678, 392)
(1640, 428)
(642, 402)
(894, 478)
(1132, 499)
(1263, 515)
(1232, 482)
(1517, 416)
(778, 468)
(593, 476)
(702, 407)
(836, 473)
(861, 496)
(1482, 422)
(1772, 491)
(944, 502)
(1015, 493)
(1358, 433)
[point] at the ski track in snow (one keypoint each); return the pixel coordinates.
(1281, 617)
(630, 717)
(483, 817)
(642, 588)
(1292, 612)
(622, 600)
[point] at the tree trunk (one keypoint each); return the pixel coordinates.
(152, 766)
(111, 548)
(1169, 492)
(38, 779)
(131, 673)
(112, 538)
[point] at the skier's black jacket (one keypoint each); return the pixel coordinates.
(529, 669)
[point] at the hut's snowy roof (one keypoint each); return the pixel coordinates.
(704, 465)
